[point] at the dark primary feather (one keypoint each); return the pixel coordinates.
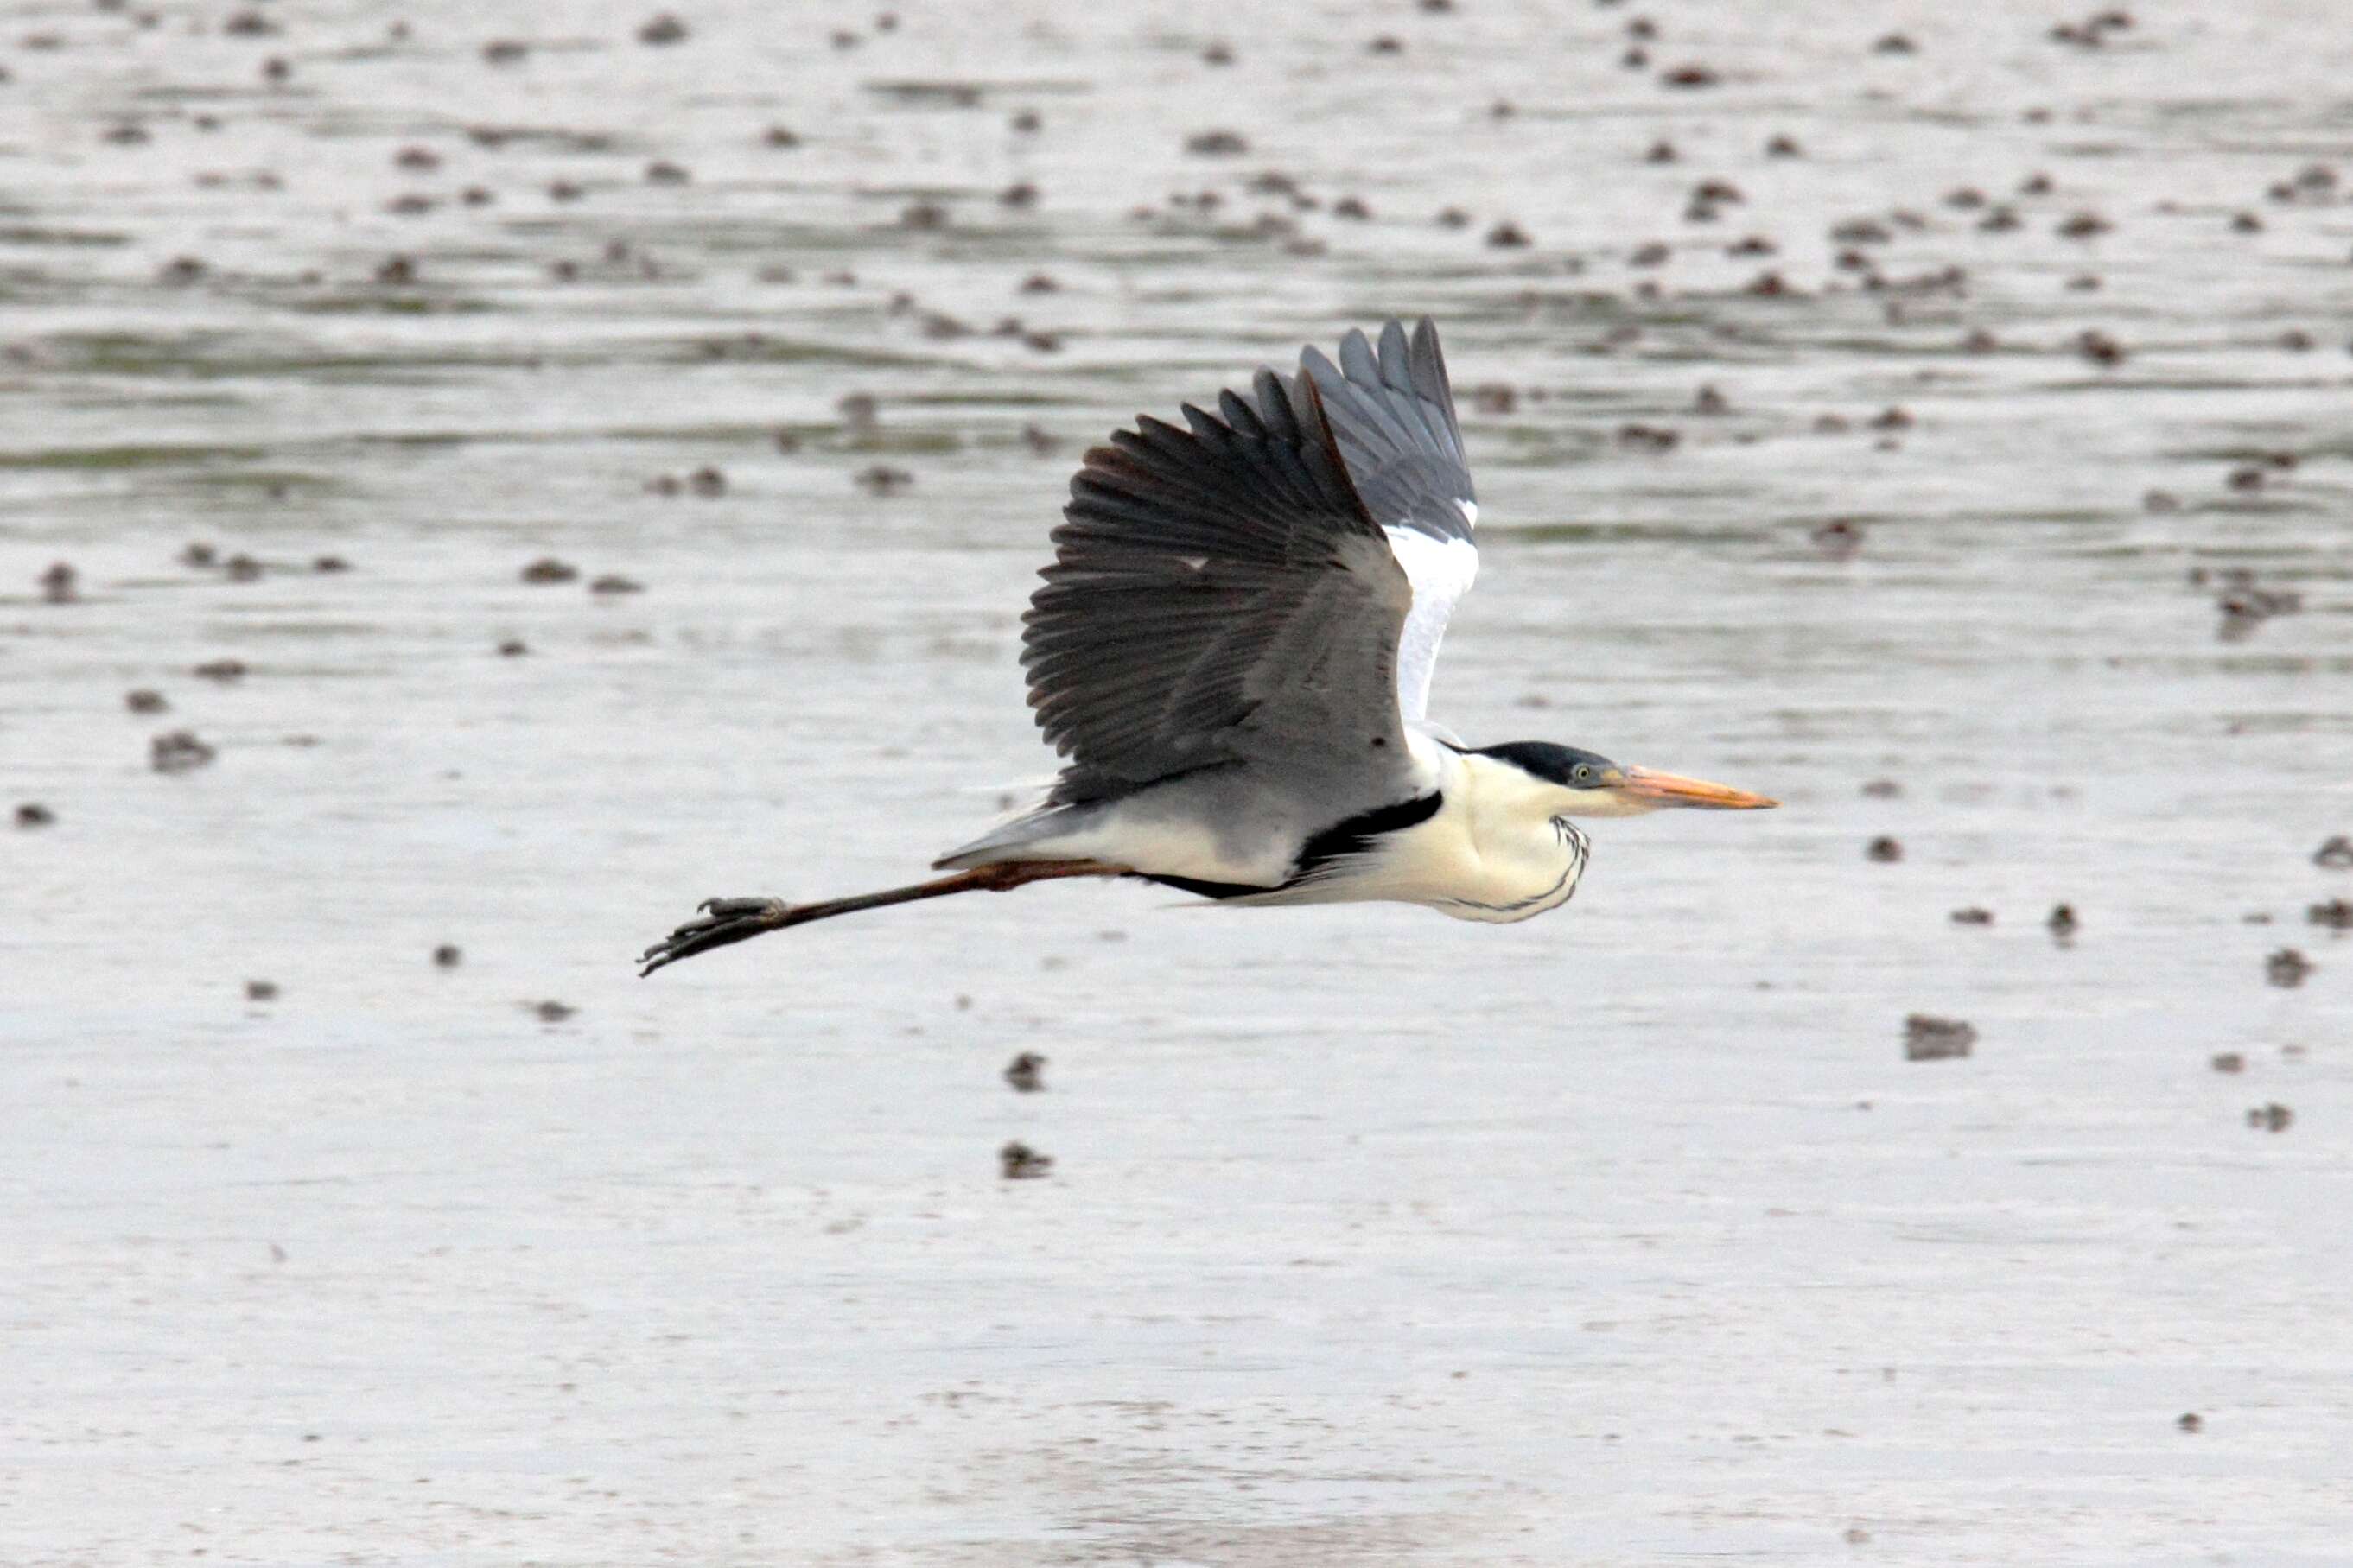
(1219, 595)
(1394, 416)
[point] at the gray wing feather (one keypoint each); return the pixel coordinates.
(1219, 595)
(1394, 415)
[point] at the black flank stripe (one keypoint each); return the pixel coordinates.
(1358, 833)
(1207, 889)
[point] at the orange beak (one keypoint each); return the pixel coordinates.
(1654, 789)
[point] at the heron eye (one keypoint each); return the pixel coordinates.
(1585, 772)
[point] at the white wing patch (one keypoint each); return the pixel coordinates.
(1441, 571)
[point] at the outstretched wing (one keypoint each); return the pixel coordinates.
(1219, 595)
(1394, 416)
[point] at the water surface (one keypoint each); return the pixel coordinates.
(1627, 1234)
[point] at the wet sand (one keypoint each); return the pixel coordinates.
(1628, 1234)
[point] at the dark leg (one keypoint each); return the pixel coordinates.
(729, 921)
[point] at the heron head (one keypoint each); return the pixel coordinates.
(1588, 785)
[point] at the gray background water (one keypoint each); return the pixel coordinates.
(1627, 1234)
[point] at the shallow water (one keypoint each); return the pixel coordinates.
(1625, 1235)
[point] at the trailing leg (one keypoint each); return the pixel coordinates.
(725, 922)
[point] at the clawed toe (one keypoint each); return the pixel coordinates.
(722, 922)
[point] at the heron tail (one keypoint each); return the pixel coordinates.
(1032, 836)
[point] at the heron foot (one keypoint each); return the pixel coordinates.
(723, 922)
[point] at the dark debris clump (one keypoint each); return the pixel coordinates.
(1928, 1038)
(1017, 1162)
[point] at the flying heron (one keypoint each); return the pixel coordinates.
(1232, 651)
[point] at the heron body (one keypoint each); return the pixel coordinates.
(1233, 650)
(1471, 834)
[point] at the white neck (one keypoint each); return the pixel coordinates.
(1497, 849)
